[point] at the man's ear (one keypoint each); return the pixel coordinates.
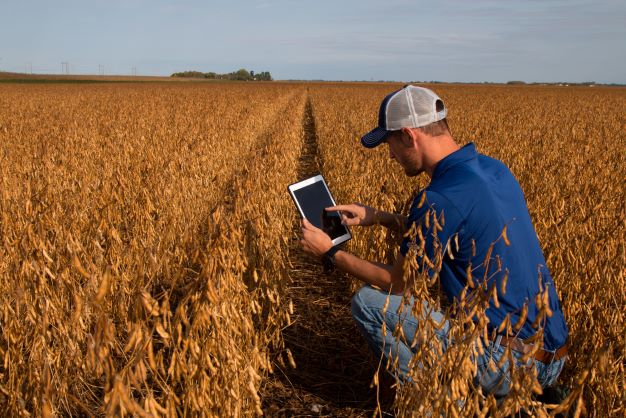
(409, 136)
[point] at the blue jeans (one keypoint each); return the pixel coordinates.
(367, 307)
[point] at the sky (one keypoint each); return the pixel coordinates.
(399, 40)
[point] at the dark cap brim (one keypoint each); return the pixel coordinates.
(374, 138)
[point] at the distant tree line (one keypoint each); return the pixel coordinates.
(240, 75)
(558, 83)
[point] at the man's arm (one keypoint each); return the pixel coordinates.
(393, 221)
(388, 277)
(357, 214)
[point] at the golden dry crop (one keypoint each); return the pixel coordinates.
(149, 266)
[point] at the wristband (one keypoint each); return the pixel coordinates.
(328, 259)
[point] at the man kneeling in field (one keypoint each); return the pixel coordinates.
(478, 197)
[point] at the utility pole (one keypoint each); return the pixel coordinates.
(134, 71)
(100, 69)
(65, 67)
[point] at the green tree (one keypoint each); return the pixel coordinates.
(241, 74)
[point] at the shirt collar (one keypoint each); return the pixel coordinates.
(467, 152)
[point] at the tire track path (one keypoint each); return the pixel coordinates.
(333, 365)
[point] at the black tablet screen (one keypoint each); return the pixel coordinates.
(313, 199)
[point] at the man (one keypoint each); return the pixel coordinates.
(485, 232)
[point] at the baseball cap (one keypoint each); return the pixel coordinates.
(409, 107)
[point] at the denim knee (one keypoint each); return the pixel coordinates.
(366, 303)
(359, 309)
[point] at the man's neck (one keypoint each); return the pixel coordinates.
(443, 146)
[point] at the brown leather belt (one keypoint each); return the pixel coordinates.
(543, 356)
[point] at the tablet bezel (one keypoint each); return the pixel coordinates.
(307, 182)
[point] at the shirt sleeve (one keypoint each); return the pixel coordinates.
(429, 227)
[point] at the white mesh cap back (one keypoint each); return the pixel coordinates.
(413, 107)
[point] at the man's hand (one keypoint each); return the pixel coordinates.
(356, 214)
(314, 241)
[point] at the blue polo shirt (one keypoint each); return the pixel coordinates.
(477, 196)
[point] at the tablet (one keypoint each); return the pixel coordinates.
(312, 197)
